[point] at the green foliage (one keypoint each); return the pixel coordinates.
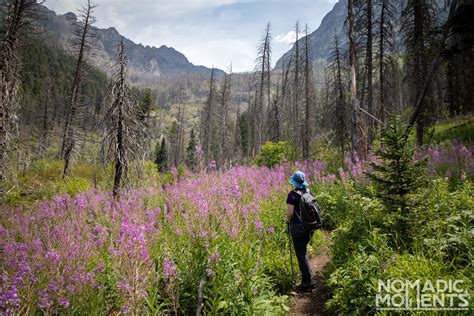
(460, 130)
(354, 282)
(335, 202)
(326, 151)
(43, 61)
(191, 159)
(397, 176)
(146, 103)
(161, 156)
(274, 153)
(43, 179)
(244, 133)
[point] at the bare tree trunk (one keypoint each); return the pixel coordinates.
(226, 90)
(69, 130)
(207, 122)
(123, 129)
(45, 126)
(354, 100)
(369, 67)
(419, 62)
(341, 117)
(16, 21)
(296, 88)
(308, 102)
(264, 84)
(381, 61)
(427, 80)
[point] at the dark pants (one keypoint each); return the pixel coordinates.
(301, 239)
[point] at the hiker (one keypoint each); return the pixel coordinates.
(299, 234)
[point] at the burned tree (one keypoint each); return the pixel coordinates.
(355, 139)
(262, 97)
(309, 95)
(207, 120)
(123, 127)
(69, 137)
(17, 17)
(337, 96)
(417, 28)
(224, 154)
(384, 56)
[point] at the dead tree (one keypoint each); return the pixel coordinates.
(355, 150)
(17, 17)
(418, 30)
(434, 65)
(124, 130)
(207, 121)
(285, 99)
(296, 88)
(369, 70)
(384, 55)
(44, 137)
(69, 137)
(338, 99)
(263, 71)
(273, 125)
(224, 119)
(309, 97)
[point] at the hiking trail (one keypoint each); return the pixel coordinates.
(313, 303)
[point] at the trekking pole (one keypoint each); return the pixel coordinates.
(289, 248)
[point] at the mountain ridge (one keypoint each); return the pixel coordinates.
(145, 62)
(322, 39)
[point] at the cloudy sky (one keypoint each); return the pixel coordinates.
(208, 32)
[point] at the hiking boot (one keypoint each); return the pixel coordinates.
(305, 288)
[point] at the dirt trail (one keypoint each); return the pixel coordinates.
(313, 303)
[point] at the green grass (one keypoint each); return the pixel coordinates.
(462, 130)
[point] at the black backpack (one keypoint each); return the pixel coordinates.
(309, 216)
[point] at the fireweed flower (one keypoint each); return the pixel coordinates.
(169, 269)
(258, 225)
(64, 302)
(342, 174)
(215, 257)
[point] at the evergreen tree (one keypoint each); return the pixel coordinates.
(191, 159)
(244, 131)
(161, 156)
(397, 176)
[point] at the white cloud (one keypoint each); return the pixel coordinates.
(160, 7)
(207, 32)
(288, 38)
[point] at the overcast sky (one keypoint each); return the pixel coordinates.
(208, 32)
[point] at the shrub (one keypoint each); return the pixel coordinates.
(272, 154)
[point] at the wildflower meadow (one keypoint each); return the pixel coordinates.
(217, 242)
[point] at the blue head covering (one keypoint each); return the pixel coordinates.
(298, 181)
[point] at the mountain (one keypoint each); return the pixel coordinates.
(322, 39)
(145, 62)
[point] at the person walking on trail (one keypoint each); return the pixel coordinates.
(300, 235)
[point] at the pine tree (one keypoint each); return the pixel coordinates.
(397, 176)
(191, 159)
(161, 156)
